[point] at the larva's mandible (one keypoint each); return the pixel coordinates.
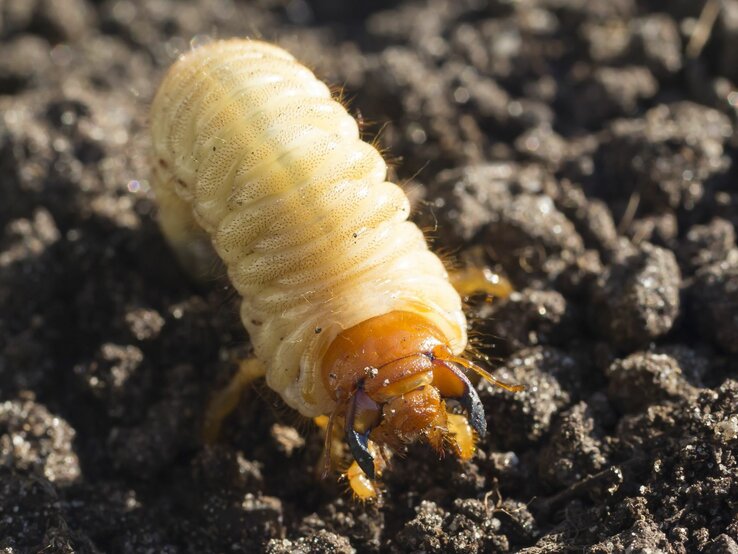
(348, 311)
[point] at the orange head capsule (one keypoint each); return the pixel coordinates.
(391, 376)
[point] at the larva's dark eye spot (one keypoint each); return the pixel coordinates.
(285, 199)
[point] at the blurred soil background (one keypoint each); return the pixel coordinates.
(586, 149)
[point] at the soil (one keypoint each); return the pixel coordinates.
(585, 149)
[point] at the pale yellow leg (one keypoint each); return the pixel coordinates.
(226, 400)
(472, 280)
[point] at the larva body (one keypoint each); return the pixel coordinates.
(297, 205)
(347, 309)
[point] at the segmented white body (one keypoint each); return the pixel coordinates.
(250, 144)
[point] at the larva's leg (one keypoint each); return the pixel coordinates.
(472, 280)
(191, 244)
(226, 400)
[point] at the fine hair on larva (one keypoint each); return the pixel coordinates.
(251, 150)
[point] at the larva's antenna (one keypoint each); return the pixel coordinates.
(479, 370)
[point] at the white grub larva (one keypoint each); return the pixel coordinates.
(349, 313)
